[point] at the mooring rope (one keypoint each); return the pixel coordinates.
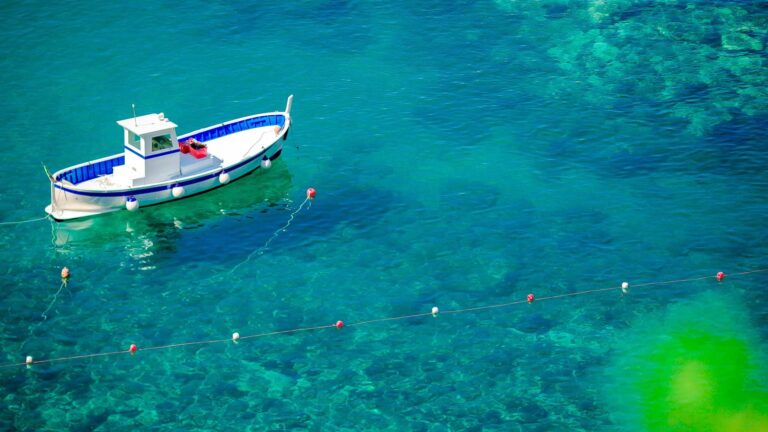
(263, 248)
(23, 221)
(339, 324)
(55, 296)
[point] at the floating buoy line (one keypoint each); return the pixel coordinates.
(236, 337)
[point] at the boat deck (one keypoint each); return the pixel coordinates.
(223, 151)
(233, 148)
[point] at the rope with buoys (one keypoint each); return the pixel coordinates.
(624, 288)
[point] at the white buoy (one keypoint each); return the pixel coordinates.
(132, 204)
(624, 288)
(224, 177)
(235, 336)
(435, 311)
(29, 360)
(266, 163)
(177, 191)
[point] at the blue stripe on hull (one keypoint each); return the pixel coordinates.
(151, 156)
(93, 170)
(171, 185)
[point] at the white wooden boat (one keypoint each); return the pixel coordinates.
(157, 166)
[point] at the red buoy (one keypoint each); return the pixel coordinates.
(311, 193)
(132, 349)
(720, 276)
(339, 324)
(531, 298)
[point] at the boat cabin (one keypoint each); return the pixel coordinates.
(151, 150)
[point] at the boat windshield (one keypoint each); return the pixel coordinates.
(161, 142)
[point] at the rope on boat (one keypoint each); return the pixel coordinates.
(339, 324)
(23, 221)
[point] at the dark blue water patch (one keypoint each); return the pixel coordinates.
(435, 10)
(351, 205)
(511, 284)
(227, 389)
(96, 418)
(467, 196)
(556, 10)
(635, 11)
(578, 231)
(477, 100)
(740, 144)
(337, 26)
(286, 367)
(756, 301)
(481, 86)
(534, 323)
(613, 160)
(691, 91)
(527, 410)
(626, 164)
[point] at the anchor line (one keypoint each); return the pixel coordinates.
(376, 320)
(55, 296)
(273, 237)
(24, 221)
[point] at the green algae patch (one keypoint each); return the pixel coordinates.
(699, 381)
(697, 368)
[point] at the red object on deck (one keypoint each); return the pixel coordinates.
(198, 153)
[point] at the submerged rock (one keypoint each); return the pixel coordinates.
(740, 41)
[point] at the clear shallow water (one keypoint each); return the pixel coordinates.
(463, 155)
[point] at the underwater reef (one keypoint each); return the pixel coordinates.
(702, 63)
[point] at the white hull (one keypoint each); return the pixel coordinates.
(235, 153)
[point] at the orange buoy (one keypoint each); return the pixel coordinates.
(339, 324)
(311, 192)
(65, 273)
(531, 298)
(132, 349)
(720, 276)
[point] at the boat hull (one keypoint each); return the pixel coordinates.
(69, 202)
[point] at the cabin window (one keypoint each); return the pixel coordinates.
(134, 140)
(161, 142)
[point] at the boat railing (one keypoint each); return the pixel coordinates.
(235, 127)
(91, 170)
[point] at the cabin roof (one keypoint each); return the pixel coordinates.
(147, 124)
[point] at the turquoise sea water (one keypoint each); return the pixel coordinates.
(464, 154)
